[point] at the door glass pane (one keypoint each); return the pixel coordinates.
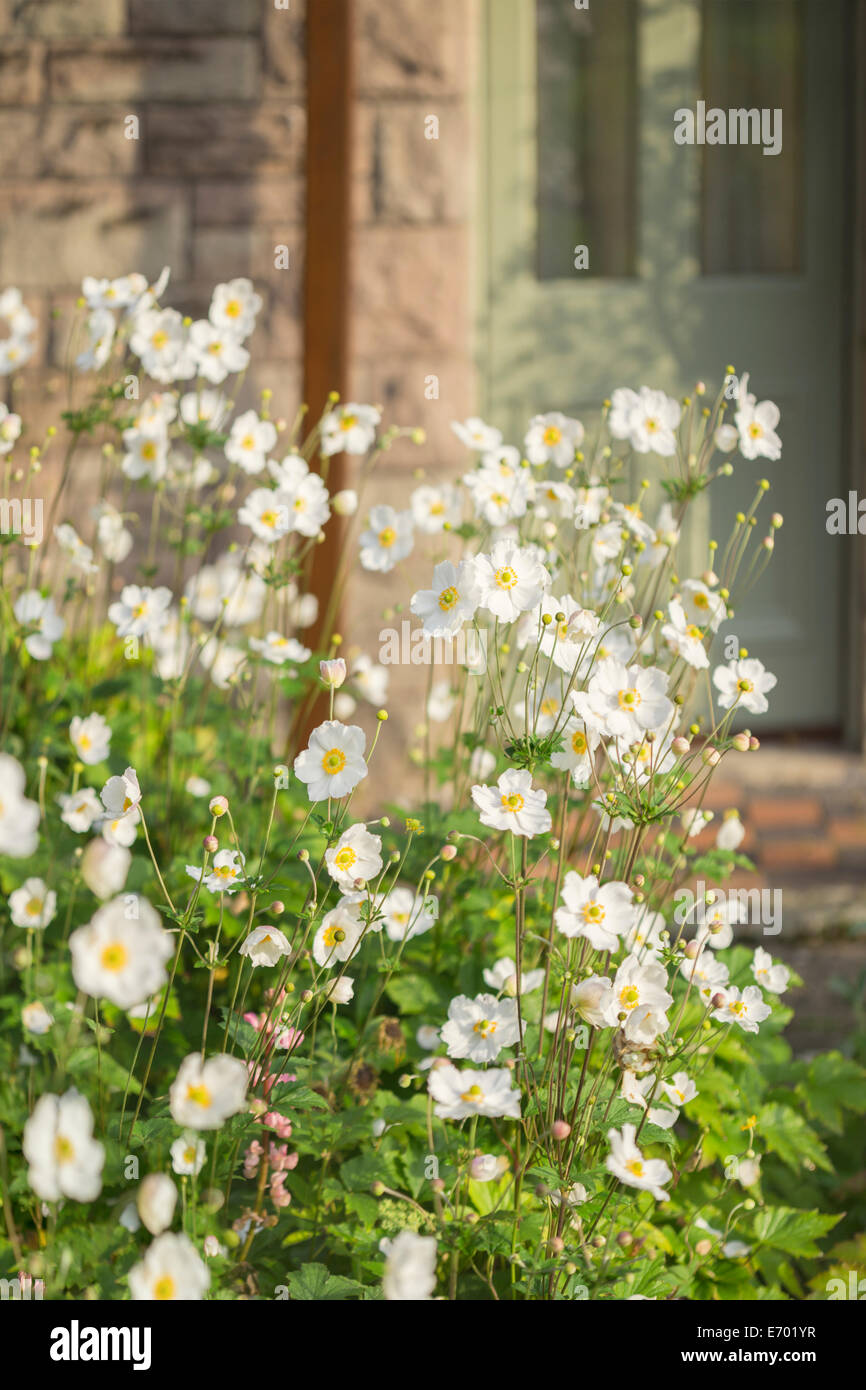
(587, 137)
(753, 203)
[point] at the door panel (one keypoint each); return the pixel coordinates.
(689, 270)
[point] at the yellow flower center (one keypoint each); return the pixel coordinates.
(64, 1149)
(448, 598)
(34, 907)
(552, 435)
(593, 912)
(164, 1288)
(512, 802)
(114, 957)
(199, 1095)
(629, 997)
(269, 518)
(348, 422)
(159, 339)
(745, 685)
(248, 442)
(701, 601)
(85, 742)
(635, 1166)
(345, 857)
(755, 430)
(473, 1096)
(334, 761)
(628, 699)
(233, 309)
(148, 450)
(578, 742)
(506, 578)
(484, 1026)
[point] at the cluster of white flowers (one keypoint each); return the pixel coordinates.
(593, 650)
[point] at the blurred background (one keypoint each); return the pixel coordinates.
(431, 170)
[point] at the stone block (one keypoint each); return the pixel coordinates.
(142, 70)
(223, 141)
(401, 175)
(56, 233)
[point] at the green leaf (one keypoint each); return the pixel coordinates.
(796, 1232)
(315, 1284)
(787, 1134)
(834, 1084)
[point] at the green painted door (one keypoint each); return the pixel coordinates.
(699, 256)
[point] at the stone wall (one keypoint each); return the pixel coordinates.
(212, 183)
(412, 311)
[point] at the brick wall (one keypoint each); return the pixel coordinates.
(212, 184)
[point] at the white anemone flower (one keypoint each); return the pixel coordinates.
(410, 1268)
(553, 438)
(747, 1008)
(601, 913)
(406, 914)
(458, 1094)
(479, 1028)
(349, 429)
(511, 580)
(171, 1269)
(64, 1158)
(357, 856)
(387, 539)
(452, 601)
(188, 1154)
(33, 904)
(43, 624)
(773, 977)
(121, 953)
(514, 804)
(339, 934)
(627, 1163)
(333, 763)
(205, 1094)
(744, 683)
(265, 946)
(502, 976)
(19, 817)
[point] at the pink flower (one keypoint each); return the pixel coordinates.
(279, 1196)
(279, 1123)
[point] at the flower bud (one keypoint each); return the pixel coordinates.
(210, 843)
(104, 868)
(333, 672)
(345, 503)
(560, 1130)
(218, 805)
(157, 1197)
